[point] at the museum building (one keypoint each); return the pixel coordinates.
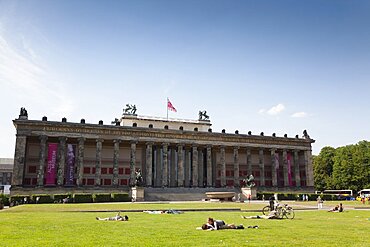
(58, 157)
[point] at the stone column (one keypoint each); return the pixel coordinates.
(173, 175)
(133, 163)
(236, 167)
(61, 160)
(273, 168)
(223, 167)
(165, 165)
(180, 160)
(285, 168)
(99, 147)
(209, 166)
(200, 167)
(80, 160)
(262, 167)
(195, 167)
(116, 162)
(149, 164)
(249, 162)
(296, 169)
(309, 168)
(19, 160)
(42, 155)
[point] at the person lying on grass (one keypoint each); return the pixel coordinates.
(272, 215)
(171, 211)
(118, 217)
(219, 225)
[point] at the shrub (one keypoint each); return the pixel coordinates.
(43, 198)
(20, 199)
(83, 198)
(102, 197)
(59, 197)
(4, 199)
(120, 197)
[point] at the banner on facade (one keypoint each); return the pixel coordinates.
(51, 168)
(289, 161)
(71, 149)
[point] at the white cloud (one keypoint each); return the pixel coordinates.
(26, 75)
(275, 110)
(261, 111)
(301, 114)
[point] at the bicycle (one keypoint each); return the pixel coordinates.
(266, 210)
(285, 211)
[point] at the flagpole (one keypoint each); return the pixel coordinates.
(167, 109)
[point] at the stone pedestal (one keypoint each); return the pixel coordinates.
(137, 194)
(250, 191)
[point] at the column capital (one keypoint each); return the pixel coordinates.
(62, 139)
(165, 144)
(81, 139)
(43, 138)
(117, 141)
(99, 140)
(149, 143)
(134, 141)
(236, 147)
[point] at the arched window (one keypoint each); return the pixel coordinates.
(181, 128)
(134, 125)
(166, 127)
(150, 126)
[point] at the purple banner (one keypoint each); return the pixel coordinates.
(289, 160)
(52, 164)
(70, 164)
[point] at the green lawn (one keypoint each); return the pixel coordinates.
(68, 225)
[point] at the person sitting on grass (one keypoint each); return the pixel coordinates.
(272, 215)
(337, 208)
(219, 225)
(118, 217)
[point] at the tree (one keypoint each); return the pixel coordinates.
(323, 168)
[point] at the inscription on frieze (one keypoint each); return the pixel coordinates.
(198, 137)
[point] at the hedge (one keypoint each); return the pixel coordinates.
(120, 197)
(295, 196)
(83, 198)
(103, 197)
(42, 198)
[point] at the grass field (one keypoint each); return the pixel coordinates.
(69, 225)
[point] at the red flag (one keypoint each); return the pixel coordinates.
(170, 106)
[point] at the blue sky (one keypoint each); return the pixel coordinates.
(271, 66)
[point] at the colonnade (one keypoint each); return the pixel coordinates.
(175, 164)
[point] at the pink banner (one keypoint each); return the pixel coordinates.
(51, 168)
(70, 164)
(289, 160)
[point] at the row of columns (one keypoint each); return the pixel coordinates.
(196, 160)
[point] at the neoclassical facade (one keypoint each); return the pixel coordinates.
(63, 156)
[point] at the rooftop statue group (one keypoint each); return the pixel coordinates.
(23, 112)
(203, 115)
(130, 109)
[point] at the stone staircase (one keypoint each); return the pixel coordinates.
(182, 194)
